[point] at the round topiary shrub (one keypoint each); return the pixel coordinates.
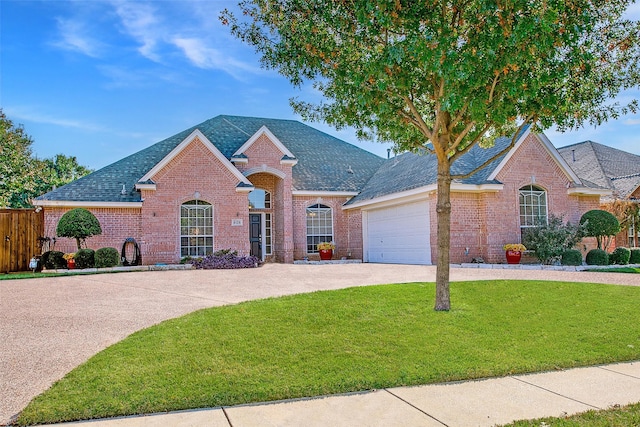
(79, 224)
(85, 258)
(107, 257)
(571, 257)
(635, 256)
(620, 256)
(597, 257)
(599, 224)
(52, 260)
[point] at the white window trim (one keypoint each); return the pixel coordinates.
(180, 235)
(315, 251)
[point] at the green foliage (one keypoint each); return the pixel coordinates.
(616, 416)
(320, 343)
(79, 224)
(53, 260)
(601, 225)
(441, 77)
(551, 240)
(85, 258)
(597, 257)
(620, 256)
(571, 257)
(107, 257)
(24, 176)
(635, 256)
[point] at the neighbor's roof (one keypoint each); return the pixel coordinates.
(324, 163)
(604, 166)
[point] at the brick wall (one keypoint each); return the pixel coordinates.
(117, 225)
(484, 222)
(194, 169)
(347, 227)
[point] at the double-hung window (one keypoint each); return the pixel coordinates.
(319, 226)
(196, 228)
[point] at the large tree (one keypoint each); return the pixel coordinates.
(23, 176)
(443, 76)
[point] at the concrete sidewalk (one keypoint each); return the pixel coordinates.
(473, 403)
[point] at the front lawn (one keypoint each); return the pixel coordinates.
(633, 270)
(625, 416)
(347, 340)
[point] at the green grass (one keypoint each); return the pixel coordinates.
(633, 270)
(617, 417)
(347, 340)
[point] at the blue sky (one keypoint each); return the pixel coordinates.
(100, 80)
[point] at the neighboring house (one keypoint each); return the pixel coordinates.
(612, 169)
(276, 188)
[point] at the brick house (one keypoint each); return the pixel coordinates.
(275, 188)
(612, 169)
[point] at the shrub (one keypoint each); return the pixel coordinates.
(85, 258)
(550, 240)
(571, 257)
(53, 260)
(635, 256)
(79, 224)
(601, 225)
(107, 257)
(225, 259)
(597, 257)
(620, 256)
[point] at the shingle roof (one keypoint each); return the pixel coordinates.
(325, 163)
(605, 166)
(408, 171)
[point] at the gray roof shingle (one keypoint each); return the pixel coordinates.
(604, 166)
(325, 163)
(409, 170)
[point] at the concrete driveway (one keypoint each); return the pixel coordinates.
(49, 326)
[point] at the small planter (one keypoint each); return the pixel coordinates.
(513, 257)
(326, 254)
(71, 264)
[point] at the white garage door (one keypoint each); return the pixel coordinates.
(398, 234)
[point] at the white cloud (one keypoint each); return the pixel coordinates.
(74, 36)
(632, 122)
(140, 21)
(32, 115)
(203, 56)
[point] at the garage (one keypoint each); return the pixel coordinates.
(397, 234)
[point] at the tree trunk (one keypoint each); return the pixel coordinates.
(443, 210)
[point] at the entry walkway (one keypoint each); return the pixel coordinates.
(473, 403)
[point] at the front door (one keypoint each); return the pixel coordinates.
(255, 234)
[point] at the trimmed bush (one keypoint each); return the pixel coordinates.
(53, 260)
(601, 225)
(225, 259)
(85, 258)
(620, 256)
(79, 224)
(635, 256)
(550, 240)
(571, 257)
(107, 257)
(597, 257)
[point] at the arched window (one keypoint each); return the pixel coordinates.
(533, 207)
(196, 228)
(259, 199)
(319, 226)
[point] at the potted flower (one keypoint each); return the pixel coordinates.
(514, 252)
(326, 250)
(71, 261)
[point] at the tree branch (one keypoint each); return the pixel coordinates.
(529, 120)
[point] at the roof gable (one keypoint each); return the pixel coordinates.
(264, 130)
(195, 135)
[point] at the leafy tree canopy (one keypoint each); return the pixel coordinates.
(601, 225)
(22, 176)
(442, 76)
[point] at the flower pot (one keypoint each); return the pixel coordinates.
(513, 257)
(71, 264)
(326, 254)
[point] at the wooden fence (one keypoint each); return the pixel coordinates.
(19, 231)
